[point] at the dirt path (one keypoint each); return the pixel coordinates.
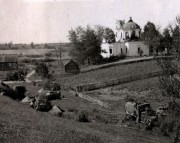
(29, 75)
(26, 79)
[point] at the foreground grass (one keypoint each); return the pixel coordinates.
(19, 123)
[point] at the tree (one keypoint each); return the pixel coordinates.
(105, 33)
(170, 79)
(170, 85)
(152, 36)
(42, 70)
(86, 45)
(176, 38)
(166, 41)
(99, 31)
(169, 82)
(32, 45)
(10, 44)
(109, 35)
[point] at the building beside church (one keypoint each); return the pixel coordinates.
(128, 41)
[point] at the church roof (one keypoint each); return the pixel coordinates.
(130, 25)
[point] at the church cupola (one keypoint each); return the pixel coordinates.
(130, 19)
(127, 31)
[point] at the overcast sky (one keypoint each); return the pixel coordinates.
(44, 21)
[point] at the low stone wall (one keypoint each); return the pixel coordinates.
(94, 100)
(93, 86)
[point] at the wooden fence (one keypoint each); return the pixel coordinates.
(93, 86)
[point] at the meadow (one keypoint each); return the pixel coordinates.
(26, 52)
(107, 74)
(19, 123)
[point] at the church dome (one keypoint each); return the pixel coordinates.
(131, 25)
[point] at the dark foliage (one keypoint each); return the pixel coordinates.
(42, 70)
(169, 83)
(113, 58)
(83, 116)
(51, 85)
(16, 75)
(152, 36)
(86, 43)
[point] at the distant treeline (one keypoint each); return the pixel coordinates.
(11, 46)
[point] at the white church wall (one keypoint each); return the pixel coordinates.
(105, 50)
(127, 48)
(116, 49)
(133, 48)
(137, 31)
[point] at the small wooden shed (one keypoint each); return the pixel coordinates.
(69, 66)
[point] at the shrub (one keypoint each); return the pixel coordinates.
(113, 58)
(28, 60)
(83, 116)
(122, 56)
(51, 85)
(16, 75)
(48, 54)
(176, 136)
(47, 60)
(34, 56)
(47, 85)
(42, 70)
(169, 124)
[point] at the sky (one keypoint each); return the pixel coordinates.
(48, 21)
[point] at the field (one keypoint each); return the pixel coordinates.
(26, 51)
(103, 75)
(40, 50)
(19, 123)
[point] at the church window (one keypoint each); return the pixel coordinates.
(121, 50)
(139, 49)
(110, 51)
(126, 49)
(127, 35)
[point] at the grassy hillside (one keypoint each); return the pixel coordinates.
(103, 75)
(19, 123)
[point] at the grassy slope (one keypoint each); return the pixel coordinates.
(19, 123)
(147, 90)
(111, 73)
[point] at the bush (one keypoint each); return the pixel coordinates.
(169, 125)
(16, 75)
(28, 60)
(42, 70)
(50, 85)
(34, 56)
(83, 116)
(113, 58)
(122, 56)
(48, 54)
(48, 60)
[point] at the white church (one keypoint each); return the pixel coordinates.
(128, 41)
